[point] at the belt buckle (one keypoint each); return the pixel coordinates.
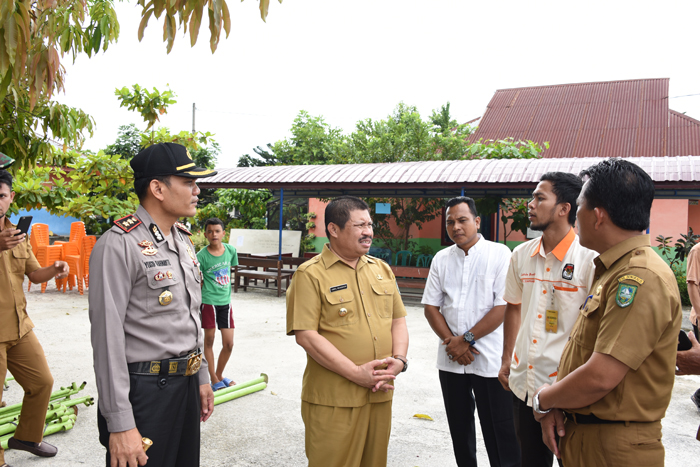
(193, 364)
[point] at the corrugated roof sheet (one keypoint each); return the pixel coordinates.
(438, 178)
(604, 119)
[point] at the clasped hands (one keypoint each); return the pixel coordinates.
(552, 424)
(459, 351)
(370, 375)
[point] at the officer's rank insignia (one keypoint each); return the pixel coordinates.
(568, 272)
(169, 274)
(127, 223)
(598, 290)
(149, 251)
(165, 298)
(182, 227)
(157, 234)
(625, 295)
(159, 276)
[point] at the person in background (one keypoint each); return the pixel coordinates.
(216, 261)
(463, 304)
(548, 280)
(693, 279)
(616, 373)
(20, 350)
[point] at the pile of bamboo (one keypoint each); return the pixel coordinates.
(61, 414)
(240, 390)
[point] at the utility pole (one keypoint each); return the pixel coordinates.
(193, 109)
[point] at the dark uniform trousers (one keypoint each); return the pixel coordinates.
(533, 450)
(495, 416)
(166, 414)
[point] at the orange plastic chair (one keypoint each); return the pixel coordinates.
(79, 265)
(45, 254)
(72, 246)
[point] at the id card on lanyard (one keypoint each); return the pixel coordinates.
(551, 323)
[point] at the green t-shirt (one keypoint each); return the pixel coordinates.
(217, 275)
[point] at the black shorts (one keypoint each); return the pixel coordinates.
(220, 316)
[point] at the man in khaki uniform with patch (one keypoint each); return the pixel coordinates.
(617, 370)
(345, 311)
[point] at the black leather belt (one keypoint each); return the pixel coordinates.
(181, 366)
(589, 419)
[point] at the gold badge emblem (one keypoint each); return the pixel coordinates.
(598, 290)
(165, 298)
(145, 244)
(343, 312)
(379, 276)
(193, 364)
(149, 251)
(169, 274)
(159, 276)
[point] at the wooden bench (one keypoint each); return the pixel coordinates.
(411, 278)
(249, 268)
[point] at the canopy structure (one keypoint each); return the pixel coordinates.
(675, 177)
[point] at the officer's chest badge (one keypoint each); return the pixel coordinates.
(145, 244)
(169, 274)
(343, 312)
(380, 277)
(165, 298)
(159, 276)
(598, 290)
(149, 251)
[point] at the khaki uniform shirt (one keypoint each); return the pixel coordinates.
(14, 264)
(693, 277)
(633, 314)
(128, 322)
(353, 309)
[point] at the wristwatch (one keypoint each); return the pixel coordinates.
(404, 361)
(469, 337)
(536, 404)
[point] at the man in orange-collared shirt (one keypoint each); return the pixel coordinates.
(548, 279)
(20, 351)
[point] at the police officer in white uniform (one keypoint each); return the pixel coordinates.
(144, 312)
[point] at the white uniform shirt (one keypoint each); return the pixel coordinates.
(557, 281)
(466, 287)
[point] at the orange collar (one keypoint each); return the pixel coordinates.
(560, 250)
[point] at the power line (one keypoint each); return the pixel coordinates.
(231, 113)
(687, 95)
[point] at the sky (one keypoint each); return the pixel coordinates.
(352, 60)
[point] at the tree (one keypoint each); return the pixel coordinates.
(35, 35)
(128, 142)
(313, 142)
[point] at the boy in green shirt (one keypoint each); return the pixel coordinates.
(216, 261)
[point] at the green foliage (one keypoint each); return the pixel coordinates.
(266, 158)
(250, 207)
(127, 144)
(515, 210)
(676, 255)
(405, 213)
(506, 148)
(150, 104)
(313, 141)
(682, 286)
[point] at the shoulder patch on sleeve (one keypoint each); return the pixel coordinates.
(182, 227)
(128, 223)
(631, 277)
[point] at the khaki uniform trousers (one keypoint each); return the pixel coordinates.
(347, 436)
(25, 358)
(614, 444)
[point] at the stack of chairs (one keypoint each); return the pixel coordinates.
(79, 265)
(45, 254)
(72, 248)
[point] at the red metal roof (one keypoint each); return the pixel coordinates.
(674, 177)
(604, 119)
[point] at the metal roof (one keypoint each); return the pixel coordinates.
(603, 119)
(674, 177)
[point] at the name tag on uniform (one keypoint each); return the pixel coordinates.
(339, 287)
(552, 321)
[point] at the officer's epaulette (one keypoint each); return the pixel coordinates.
(128, 223)
(182, 227)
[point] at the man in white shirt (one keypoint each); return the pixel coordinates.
(464, 306)
(548, 280)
